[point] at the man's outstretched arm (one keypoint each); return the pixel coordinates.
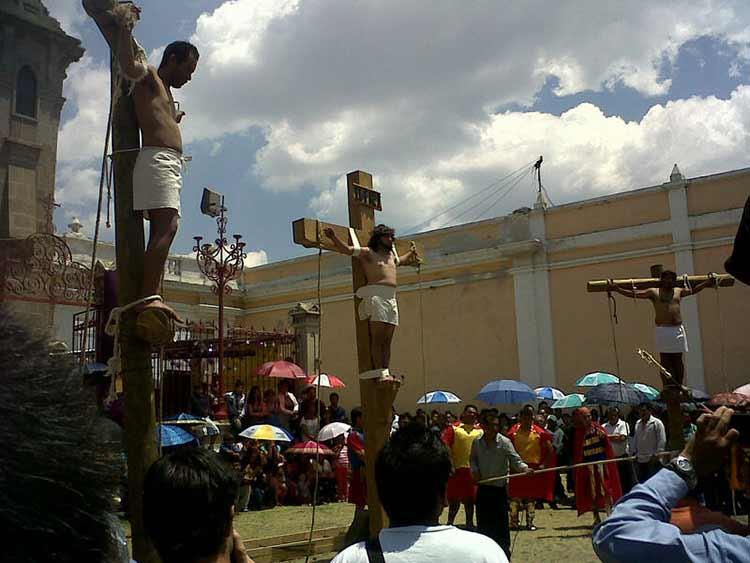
(710, 282)
(632, 293)
(341, 246)
(117, 27)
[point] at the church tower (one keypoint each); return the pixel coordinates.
(34, 55)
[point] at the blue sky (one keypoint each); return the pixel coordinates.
(437, 100)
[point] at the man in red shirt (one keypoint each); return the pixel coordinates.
(461, 488)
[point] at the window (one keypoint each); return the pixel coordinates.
(26, 93)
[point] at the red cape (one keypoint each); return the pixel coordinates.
(535, 486)
(584, 500)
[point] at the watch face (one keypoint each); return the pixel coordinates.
(684, 464)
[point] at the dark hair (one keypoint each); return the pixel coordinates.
(379, 232)
(646, 405)
(181, 50)
(411, 474)
(527, 410)
(670, 273)
(470, 406)
(356, 413)
(62, 460)
(332, 395)
(187, 500)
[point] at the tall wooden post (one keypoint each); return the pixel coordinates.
(140, 414)
(377, 399)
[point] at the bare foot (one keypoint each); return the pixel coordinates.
(158, 304)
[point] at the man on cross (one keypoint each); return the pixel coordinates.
(379, 260)
(157, 176)
(669, 335)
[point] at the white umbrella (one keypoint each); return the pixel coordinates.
(438, 397)
(332, 430)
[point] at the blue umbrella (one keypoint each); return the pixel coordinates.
(174, 436)
(648, 390)
(615, 394)
(439, 397)
(597, 378)
(572, 401)
(549, 393)
(506, 392)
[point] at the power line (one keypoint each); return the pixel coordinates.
(501, 197)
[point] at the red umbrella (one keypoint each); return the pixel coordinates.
(281, 368)
(732, 400)
(326, 381)
(309, 448)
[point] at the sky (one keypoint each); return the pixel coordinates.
(445, 103)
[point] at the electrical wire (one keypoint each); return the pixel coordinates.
(501, 197)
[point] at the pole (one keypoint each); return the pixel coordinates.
(140, 414)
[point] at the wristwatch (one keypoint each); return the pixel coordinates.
(684, 468)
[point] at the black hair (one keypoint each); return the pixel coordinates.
(470, 406)
(187, 500)
(411, 475)
(356, 413)
(527, 410)
(646, 405)
(670, 273)
(379, 232)
(61, 464)
(334, 394)
(181, 50)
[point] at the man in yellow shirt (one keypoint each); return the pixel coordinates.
(461, 488)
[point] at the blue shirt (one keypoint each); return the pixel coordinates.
(639, 529)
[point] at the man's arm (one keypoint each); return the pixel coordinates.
(632, 293)
(710, 282)
(517, 465)
(341, 246)
(474, 462)
(117, 27)
(411, 258)
(661, 436)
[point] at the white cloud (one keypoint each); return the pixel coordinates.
(256, 258)
(69, 13)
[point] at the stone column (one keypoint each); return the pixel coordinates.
(306, 326)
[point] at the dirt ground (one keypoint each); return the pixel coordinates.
(561, 536)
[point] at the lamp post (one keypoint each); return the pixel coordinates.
(221, 263)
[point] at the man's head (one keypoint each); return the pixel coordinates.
(411, 474)
(283, 386)
(383, 238)
(526, 416)
(404, 419)
(668, 278)
(357, 418)
(491, 426)
(644, 411)
(552, 422)
(469, 416)
(239, 387)
(543, 407)
(613, 415)
(334, 398)
(582, 418)
(188, 505)
(178, 63)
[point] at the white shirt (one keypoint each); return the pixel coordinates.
(620, 428)
(433, 544)
(650, 439)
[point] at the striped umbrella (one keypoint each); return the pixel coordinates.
(174, 436)
(649, 391)
(326, 380)
(266, 432)
(283, 369)
(597, 378)
(438, 397)
(572, 401)
(549, 393)
(309, 448)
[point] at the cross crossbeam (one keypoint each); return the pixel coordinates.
(595, 286)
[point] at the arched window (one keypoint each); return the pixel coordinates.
(26, 93)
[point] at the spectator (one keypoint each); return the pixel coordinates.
(412, 473)
(255, 411)
(311, 400)
(493, 455)
(176, 488)
(639, 528)
(200, 402)
(450, 419)
(59, 468)
(688, 428)
(355, 447)
(650, 439)
(461, 488)
(618, 431)
(337, 413)
(236, 405)
(436, 423)
(229, 449)
(271, 402)
(404, 419)
(303, 489)
(310, 424)
(341, 469)
(286, 405)
(558, 444)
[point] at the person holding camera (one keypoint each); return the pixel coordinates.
(640, 527)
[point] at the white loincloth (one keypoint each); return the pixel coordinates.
(670, 339)
(378, 304)
(157, 180)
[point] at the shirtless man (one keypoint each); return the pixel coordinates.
(670, 337)
(378, 305)
(157, 177)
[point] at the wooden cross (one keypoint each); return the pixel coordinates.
(377, 399)
(671, 398)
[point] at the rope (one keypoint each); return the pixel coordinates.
(317, 394)
(721, 333)
(613, 320)
(421, 326)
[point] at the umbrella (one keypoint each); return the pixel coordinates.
(549, 393)
(743, 390)
(597, 378)
(309, 448)
(615, 394)
(174, 436)
(572, 401)
(333, 430)
(438, 397)
(733, 400)
(506, 392)
(326, 380)
(281, 368)
(699, 395)
(647, 389)
(266, 432)
(194, 424)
